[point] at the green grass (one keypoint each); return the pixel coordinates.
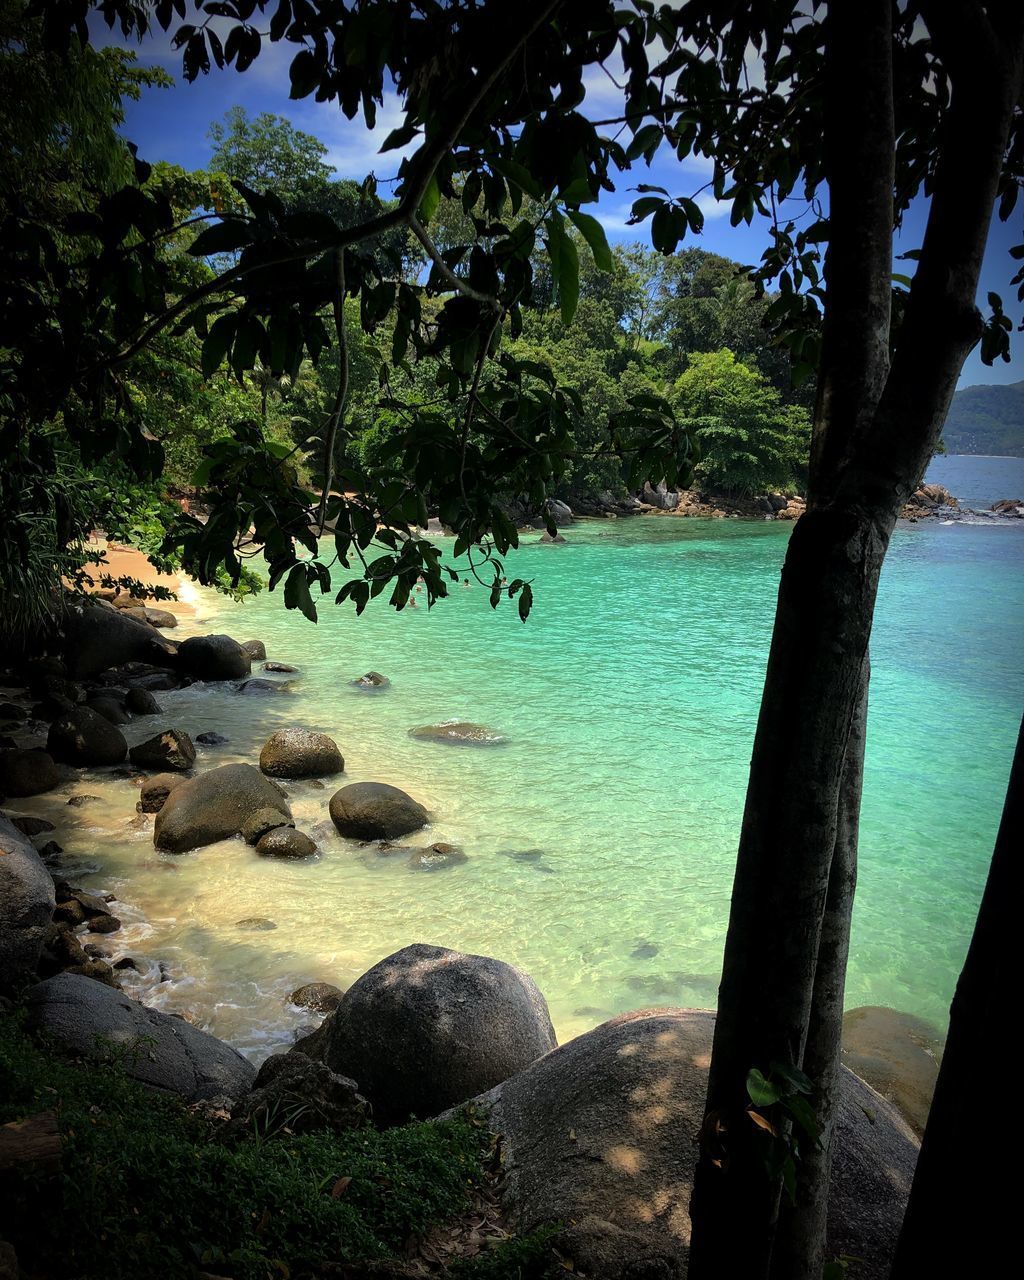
(147, 1191)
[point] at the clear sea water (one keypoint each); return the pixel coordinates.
(629, 701)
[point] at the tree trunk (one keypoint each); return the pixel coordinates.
(801, 1233)
(876, 427)
(961, 1219)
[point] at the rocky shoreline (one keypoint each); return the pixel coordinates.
(426, 1029)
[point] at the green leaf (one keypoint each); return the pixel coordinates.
(645, 142)
(644, 206)
(761, 1091)
(222, 237)
(797, 1081)
(296, 593)
(399, 137)
(217, 342)
(431, 199)
(565, 265)
(592, 231)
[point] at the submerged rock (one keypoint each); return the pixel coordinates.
(83, 737)
(27, 772)
(319, 997)
(213, 806)
(300, 753)
(171, 749)
(898, 1055)
(211, 739)
(257, 686)
(158, 1050)
(255, 924)
(590, 1138)
(283, 668)
(375, 811)
(436, 857)
(371, 680)
(215, 657)
(426, 1027)
(460, 733)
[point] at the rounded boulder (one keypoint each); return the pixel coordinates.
(84, 737)
(215, 806)
(170, 750)
(428, 1028)
(300, 753)
(27, 772)
(214, 657)
(590, 1138)
(375, 811)
(285, 842)
(155, 791)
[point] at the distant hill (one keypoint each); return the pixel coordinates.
(988, 419)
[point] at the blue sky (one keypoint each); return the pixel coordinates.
(171, 124)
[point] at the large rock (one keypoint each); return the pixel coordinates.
(598, 1136)
(109, 708)
(428, 1027)
(142, 703)
(213, 658)
(170, 750)
(26, 907)
(214, 806)
(898, 1055)
(256, 650)
(375, 811)
(300, 753)
(83, 737)
(156, 1049)
(98, 636)
(27, 772)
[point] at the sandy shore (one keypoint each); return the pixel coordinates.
(128, 562)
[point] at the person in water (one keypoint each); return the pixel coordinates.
(465, 582)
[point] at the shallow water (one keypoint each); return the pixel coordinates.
(629, 702)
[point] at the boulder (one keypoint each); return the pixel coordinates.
(596, 1136)
(211, 739)
(459, 733)
(557, 539)
(319, 997)
(81, 800)
(213, 658)
(256, 650)
(261, 823)
(560, 512)
(284, 668)
(256, 686)
(83, 737)
(300, 753)
(304, 1094)
(98, 636)
(898, 1055)
(375, 811)
(1009, 507)
(29, 825)
(155, 791)
(109, 708)
(142, 703)
(170, 750)
(158, 1050)
(371, 680)
(285, 842)
(428, 1028)
(27, 901)
(27, 772)
(214, 806)
(155, 617)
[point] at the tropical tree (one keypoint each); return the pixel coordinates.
(748, 438)
(881, 104)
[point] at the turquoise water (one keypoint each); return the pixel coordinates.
(629, 701)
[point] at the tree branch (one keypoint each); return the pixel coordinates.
(338, 408)
(457, 283)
